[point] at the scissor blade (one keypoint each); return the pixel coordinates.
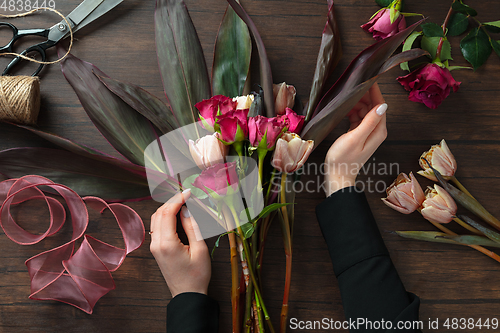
(83, 11)
(102, 9)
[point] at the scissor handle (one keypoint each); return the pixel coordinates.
(39, 48)
(8, 46)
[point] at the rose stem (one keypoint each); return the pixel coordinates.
(235, 295)
(445, 24)
(287, 240)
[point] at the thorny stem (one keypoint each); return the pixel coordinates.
(445, 24)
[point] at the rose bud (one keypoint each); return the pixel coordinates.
(441, 159)
(263, 132)
(284, 96)
(295, 121)
(405, 194)
(291, 152)
(243, 102)
(233, 126)
(438, 206)
(429, 84)
(211, 108)
(208, 150)
(380, 24)
(221, 178)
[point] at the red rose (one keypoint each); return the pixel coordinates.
(218, 178)
(209, 109)
(430, 84)
(295, 121)
(233, 126)
(381, 27)
(263, 131)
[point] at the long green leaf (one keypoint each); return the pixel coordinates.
(439, 237)
(181, 61)
(265, 68)
(329, 56)
(233, 50)
(143, 102)
(84, 175)
(125, 129)
(355, 82)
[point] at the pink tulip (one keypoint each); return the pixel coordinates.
(381, 27)
(429, 84)
(211, 108)
(221, 178)
(439, 206)
(295, 121)
(263, 132)
(405, 194)
(441, 159)
(233, 126)
(208, 151)
(291, 152)
(284, 96)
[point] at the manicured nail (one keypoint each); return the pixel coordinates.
(185, 212)
(186, 191)
(381, 109)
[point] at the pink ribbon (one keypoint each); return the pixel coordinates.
(78, 278)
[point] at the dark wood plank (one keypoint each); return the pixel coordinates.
(452, 281)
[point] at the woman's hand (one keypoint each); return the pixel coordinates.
(186, 268)
(350, 151)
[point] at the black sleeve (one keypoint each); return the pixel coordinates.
(370, 286)
(192, 313)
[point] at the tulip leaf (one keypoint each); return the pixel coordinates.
(463, 8)
(494, 236)
(247, 229)
(440, 237)
(407, 46)
(458, 24)
(157, 112)
(329, 56)
(265, 67)
(271, 208)
(233, 50)
(495, 44)
(84, 175)
(383, 3)
(181, 60)
(432, 30)
(476, 47)
(353, 84)
(124, 128)
(430, 44)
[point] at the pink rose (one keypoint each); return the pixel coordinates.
(430, 84)
(218, 178)
(233, 126)
(210, 108)
(381, 27)
(263, 132)
(295, 121)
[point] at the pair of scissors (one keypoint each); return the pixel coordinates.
(85, 13)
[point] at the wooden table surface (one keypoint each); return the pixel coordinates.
(452, 281)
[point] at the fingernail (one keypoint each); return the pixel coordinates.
(186, 191)
(381, 109)
(186, 212)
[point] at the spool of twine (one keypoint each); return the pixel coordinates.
(19, 99)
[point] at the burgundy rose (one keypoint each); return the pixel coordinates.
(263, 132)
(381, 27)
(295, 121)
(210, 108)
(430, 84)
(233, 126)
(218, 178)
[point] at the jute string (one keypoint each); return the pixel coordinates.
(20, 95)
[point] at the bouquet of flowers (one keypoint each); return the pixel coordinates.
(247, 145)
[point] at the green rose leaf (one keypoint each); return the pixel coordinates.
(463, 8)
(495, 44)
(458, 24)
(383, 3)
(495, 24)
(432, 30)
(430, 44)
(407, 46)
(492, 26)
(476, 47)
(247, 229)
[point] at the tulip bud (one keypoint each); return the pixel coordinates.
(438, 206)
(385, 24)
(441, 159)
(208, 151)
(291, 152)
(405, 194)
(243, 102)
(284, 96)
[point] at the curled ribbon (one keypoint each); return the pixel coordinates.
(78, 278)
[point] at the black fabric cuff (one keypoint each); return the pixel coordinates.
(192, 313)
(349, 229)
